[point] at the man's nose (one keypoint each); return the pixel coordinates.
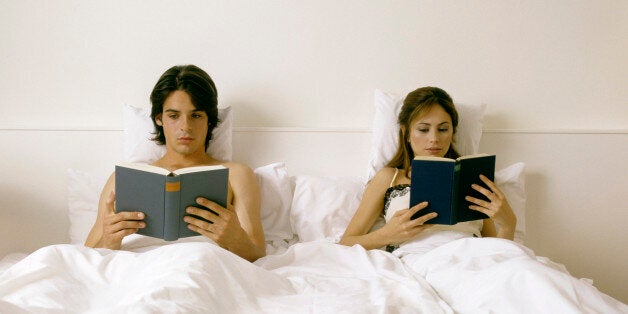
(185, 123)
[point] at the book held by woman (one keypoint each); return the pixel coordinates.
(444, 183)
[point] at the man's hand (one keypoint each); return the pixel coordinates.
(116, 226)
(224, 227)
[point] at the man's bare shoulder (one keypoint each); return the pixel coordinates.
(241, 177)
(238, 169)
(111, 182)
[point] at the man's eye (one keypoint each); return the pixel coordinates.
(172, 116)
(443, 130)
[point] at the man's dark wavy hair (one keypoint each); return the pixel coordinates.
(192, 80)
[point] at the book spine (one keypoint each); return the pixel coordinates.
(171, 210)
(455, 204)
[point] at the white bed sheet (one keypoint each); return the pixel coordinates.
(491, 275)
(312, 277)
(199, 277)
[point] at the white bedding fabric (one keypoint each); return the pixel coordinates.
(464, 276)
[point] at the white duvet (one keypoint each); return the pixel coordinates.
(467, 275)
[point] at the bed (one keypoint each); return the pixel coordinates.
(303, 214)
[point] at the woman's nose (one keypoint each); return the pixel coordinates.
(433, 136)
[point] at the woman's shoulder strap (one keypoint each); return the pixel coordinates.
(394, 177)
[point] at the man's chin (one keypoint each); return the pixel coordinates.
(187, 150)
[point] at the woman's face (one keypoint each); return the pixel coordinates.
(431, 132)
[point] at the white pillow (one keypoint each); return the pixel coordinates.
(138, 131)
(275, 186)
(385, 129)
(276, 190)
(511, 181)
(322, 206)
(83, 195)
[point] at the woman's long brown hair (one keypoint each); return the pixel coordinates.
(416, 103)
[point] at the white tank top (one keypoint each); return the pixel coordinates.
(398, 197)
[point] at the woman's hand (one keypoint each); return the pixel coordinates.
(401, 227)
(224, 227)
(116, 226)
(497, 208)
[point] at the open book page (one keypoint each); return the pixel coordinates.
(434, 158)
(159, 170)
(197, 169)
(472, 156)
(145, 167)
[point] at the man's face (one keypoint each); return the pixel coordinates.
(185, 127)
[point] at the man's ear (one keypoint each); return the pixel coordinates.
(158, 120)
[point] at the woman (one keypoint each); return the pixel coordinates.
(428, 121)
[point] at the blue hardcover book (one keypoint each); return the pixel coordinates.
(163, 195)
(444, 183)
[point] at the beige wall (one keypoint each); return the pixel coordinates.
(576, 211)
(537, 64)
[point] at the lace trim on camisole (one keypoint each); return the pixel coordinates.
(397, 197)
(393, 192)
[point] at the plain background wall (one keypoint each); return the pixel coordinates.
(543, 67)
(538, 64)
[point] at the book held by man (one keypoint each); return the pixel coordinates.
(163, 195)
(444, 183)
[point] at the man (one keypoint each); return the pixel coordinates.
(184, 112)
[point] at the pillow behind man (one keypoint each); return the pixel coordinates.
(138, 131)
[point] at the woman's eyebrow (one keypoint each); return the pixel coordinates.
(425, 123)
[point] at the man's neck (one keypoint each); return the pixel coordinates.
(173, 160)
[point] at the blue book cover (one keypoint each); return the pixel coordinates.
(163, 195)
(444, 183)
